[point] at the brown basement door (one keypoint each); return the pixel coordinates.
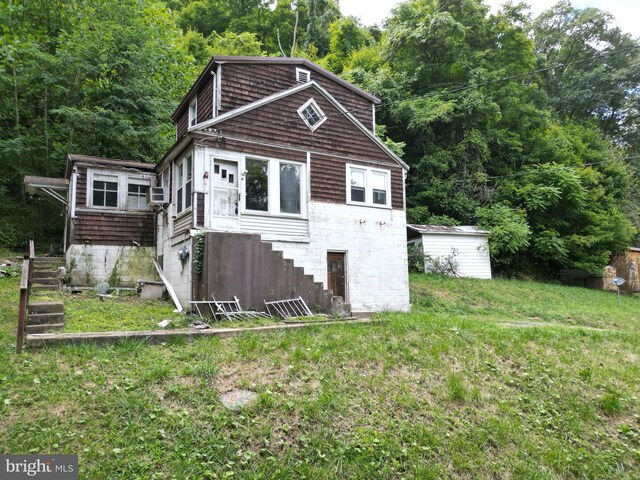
(336, 273)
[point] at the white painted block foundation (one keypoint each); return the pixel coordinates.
(374, 240)
(121, 266)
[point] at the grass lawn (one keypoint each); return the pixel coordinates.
(469, 385)
(86, 312)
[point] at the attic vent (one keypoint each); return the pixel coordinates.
(303, 76)
(311, 114)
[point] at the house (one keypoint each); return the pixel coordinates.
(467, 247)
(276, 187)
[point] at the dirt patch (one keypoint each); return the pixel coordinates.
(63, 409)
(252, 375)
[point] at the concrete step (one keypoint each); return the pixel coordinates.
(45, 307)
(49, 261)
(47, 327)
(361, 314)
(45, 281)
(45, 318)
(45, 274)
(39, 288)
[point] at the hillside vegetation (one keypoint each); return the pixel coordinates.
(525, 126)
(484, 379)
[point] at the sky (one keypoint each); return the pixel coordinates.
(626, 12)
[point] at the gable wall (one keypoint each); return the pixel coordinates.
(246, 83)
(205, 101)
(242, 84)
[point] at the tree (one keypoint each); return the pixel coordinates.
(592, 68)
(91, 77)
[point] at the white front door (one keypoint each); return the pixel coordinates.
(225, 205)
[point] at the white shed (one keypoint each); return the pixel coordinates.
(467, 245)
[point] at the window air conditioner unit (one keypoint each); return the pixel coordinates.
(157, 196)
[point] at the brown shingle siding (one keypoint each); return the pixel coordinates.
(113, 228)
(205, 102)
(243, 84)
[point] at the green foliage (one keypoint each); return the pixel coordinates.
(198, 252)
(415, 257)
(83, 77)
(510, 233)
(230, 43)
(473, 128)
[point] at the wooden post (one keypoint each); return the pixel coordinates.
(25, 279)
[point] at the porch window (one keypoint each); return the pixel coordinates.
(137, 196)
(368, 186)
(274, 187)
(117, 190)
(290, 188)
(257, 188)
(105, 192)
(183, 184)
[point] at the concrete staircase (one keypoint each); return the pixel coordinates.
(45, 317)
(45, 273)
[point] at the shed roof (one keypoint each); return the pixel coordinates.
(111, 162)
(445, 230)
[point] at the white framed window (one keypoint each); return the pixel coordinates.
(274, 187)
(311, 114)
(137, 195)
(183, 184)
(302, 75)
(193, 112)
(368, 186)
(104, 191)
(117, 190)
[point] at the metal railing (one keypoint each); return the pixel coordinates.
(25, 290)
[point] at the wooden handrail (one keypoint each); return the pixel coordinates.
(25, 283)
(25, 291)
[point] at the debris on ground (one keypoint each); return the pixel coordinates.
(198, 325)
(237, 398)
(164, 323)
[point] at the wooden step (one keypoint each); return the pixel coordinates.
(47, 327)
(45, 281)
(45, 318)
(45, 307)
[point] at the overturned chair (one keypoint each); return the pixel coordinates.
(225, 309)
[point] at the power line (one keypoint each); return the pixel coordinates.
(560, 167)
(456, 89)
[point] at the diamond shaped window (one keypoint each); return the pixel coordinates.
(312, 115)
